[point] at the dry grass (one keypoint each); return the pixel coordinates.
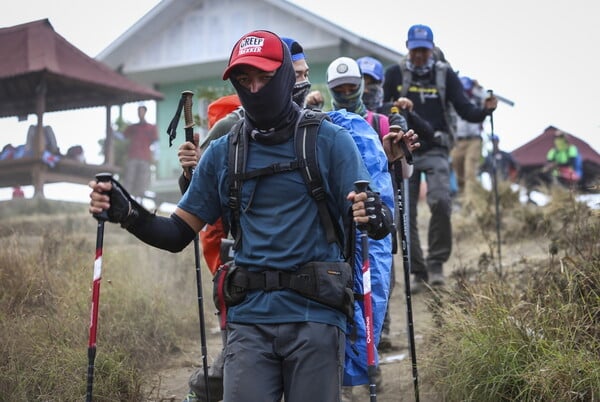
(45, 292)
(532, 334)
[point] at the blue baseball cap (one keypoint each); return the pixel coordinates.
(495, 138)
(295, 49)
(419, 36)
(467, 83)
(371, 66)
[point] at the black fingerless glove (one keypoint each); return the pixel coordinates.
(123, 208)
(380, 217)
(397, 119)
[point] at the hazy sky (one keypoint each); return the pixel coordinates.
(540, 55)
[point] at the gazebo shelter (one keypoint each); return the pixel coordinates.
(40, 72)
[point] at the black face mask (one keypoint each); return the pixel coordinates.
(373, 98)
(300, 92)
(272, 106)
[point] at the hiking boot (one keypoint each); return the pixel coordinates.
(385, 344)
(437, 279)
(215, 387)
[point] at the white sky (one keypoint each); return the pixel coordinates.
(540, 55)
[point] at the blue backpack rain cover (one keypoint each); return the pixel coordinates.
(380, 251)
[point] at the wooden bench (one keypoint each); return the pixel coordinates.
(35, 172)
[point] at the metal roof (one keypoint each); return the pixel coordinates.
(36, 59)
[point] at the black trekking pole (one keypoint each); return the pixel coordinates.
(185, 104)
(101, 218)
(403, 218)
(361, 186)
(189, 136)
(495, 188)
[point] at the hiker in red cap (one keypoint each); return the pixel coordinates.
(285, 336)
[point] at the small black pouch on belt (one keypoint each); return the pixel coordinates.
(225, 294)
(333, 285)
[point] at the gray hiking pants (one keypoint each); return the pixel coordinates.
(435, 166)
(302, 361)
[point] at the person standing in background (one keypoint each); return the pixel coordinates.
(500, 162)
(141, 136)
(413, 84)
(466, 154)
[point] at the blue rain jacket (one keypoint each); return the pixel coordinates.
(380, 251)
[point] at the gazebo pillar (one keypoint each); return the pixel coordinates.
(39, 169)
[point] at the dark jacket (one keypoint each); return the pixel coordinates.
(426, 100)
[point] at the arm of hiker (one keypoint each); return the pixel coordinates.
(188, 154)
(368, 209)
(407, 168)
(414, 120)
(314, 100)
(392, 147)
(172, 233)
(490, 103)
(404, 104)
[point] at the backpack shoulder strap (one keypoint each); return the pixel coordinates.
(441, 69)
(305, 138)
(375, 123)
(238, 148)
(406, 77)
(307, 129)
(441, 72)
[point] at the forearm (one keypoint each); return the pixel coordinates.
(171, 234)
(420, 126)
(407, 169)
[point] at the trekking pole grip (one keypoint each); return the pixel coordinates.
(361, 187)
(187, 114)
(103, 177)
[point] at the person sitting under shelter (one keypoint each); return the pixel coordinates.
(563, 161)
(49, 140)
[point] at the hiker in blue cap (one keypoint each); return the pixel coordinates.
(421, 84)
(372, 72)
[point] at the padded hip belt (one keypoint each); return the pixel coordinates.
(329, 283)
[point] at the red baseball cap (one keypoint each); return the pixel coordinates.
(260, 49)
